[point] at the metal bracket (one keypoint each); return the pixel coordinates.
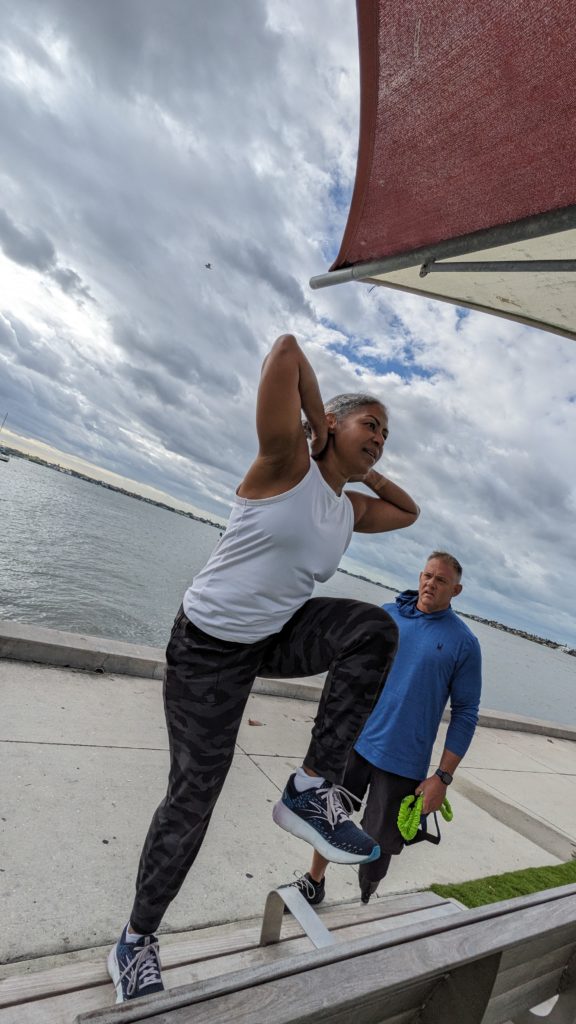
(498, 266)
(289, 896)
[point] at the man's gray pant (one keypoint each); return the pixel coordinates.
(206, 686)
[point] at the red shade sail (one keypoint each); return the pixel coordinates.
(467, 152)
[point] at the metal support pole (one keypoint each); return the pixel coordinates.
(499, 266)
(464, 245)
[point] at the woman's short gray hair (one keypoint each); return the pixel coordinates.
(342, 405)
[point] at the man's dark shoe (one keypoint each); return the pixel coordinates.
(367, 889)
(313, 892)
(320, 817)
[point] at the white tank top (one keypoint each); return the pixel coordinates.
(264, 567)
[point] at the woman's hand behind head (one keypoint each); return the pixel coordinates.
(319, 441)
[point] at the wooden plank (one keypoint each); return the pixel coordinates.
(222, 939)
(61, 1009)
(306, 1007)
(506, 1005)
(561, 982)
(380, 907)
(407, 1017)
(64, 1008)
(357, 972)
(224, 936)
(216, 941)
(338, 999)
(74, 977)
(538, 959)
(462, 994)
(262, 955)
(517, 955)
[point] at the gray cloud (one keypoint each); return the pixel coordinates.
(7, 335)
(33, 249)
(178, 358)
(136, 47)
(167, 390)
(30, 249)
(70, 282)
(27, 349)
(255, 262)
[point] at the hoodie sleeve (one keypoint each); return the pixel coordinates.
(465, 699)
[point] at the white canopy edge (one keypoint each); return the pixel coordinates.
(542, 299)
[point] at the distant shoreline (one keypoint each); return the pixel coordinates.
(109, 487)
(14, 452)
(477, 618)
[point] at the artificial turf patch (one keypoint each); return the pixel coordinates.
(513, 883)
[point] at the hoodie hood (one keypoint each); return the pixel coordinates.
(406, 605)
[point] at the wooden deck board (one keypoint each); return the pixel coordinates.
(200, 944)
(363, 979)
(405, 945)
(61, 993)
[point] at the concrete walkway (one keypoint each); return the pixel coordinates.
(83, 761)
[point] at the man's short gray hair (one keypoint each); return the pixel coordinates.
(445, 556)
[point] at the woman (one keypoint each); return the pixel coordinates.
(248, 613)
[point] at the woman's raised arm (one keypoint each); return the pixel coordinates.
(288, 388)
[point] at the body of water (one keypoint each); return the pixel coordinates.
(76, 556)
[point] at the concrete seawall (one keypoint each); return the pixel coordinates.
(38, 645)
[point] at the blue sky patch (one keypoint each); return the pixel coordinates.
(461, 315)
(403, 364)
(407, 368)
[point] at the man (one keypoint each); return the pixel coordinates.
(438, 659)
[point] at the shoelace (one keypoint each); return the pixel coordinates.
(145, 964)
(336, 797)
(305, 885)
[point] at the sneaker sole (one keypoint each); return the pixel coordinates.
(114, 972)
(290, 822)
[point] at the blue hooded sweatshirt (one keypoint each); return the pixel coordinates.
(438, 658)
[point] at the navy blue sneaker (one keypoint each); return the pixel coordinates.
(318, 816)
(135, 967)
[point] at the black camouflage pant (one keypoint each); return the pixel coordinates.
(206, 686)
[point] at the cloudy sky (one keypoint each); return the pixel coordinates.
(142, 140)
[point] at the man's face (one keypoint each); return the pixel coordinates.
(437, 585)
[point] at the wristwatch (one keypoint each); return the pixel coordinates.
(445, 776)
